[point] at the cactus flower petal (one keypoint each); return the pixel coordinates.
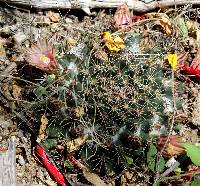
(42, 56)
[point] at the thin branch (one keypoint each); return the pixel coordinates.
(85, 5)
(170, 131)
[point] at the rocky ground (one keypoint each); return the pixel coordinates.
(19, 28)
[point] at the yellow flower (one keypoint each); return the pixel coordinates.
(172, 59)
(113, 44)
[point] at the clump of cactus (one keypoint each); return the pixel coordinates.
(119, 104)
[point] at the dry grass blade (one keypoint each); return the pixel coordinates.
(42, 131)
(93, 178)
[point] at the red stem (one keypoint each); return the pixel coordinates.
(58, 176)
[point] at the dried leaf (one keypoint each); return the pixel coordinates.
(2, 50)
(181, 58)
(196, 60)
(54, 17)
(165, 23)
(76, 143)
(3, 149)
(42, 131)
(113, 44)
(93, 178)
(198, 36)
(6, 91)
(192, 25)
(101, 54)
(16, 91)
(122, 16)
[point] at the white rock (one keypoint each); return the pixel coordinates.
(21, 160)
(5, 124)
(68, 20)
(170, 162)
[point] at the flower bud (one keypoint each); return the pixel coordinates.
(122, 16)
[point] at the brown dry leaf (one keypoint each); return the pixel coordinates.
(43, 20)
(125, 179)
(165, 23)
(122, 16)
(76, 143)
(93, 178)
(54, 17)
(6, 91)
(102, 55)
(100, 52)
(190, 135)
(42, 131)
(192, 25)
(16, 91)
(182, 58)
(198, 36)
(2, 50)
(195, 62)
(146, 42)
(130, 177)
(162, 20)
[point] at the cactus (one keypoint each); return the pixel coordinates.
(117, 104)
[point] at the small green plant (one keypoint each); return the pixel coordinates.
(193, 152)
(153, 164)
(196, 182)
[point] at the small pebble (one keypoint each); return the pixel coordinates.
(68, 20)
(5, 124)
(21, 160)
(20, 174)
(20, 134)
(6, 29)
(170, 162)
